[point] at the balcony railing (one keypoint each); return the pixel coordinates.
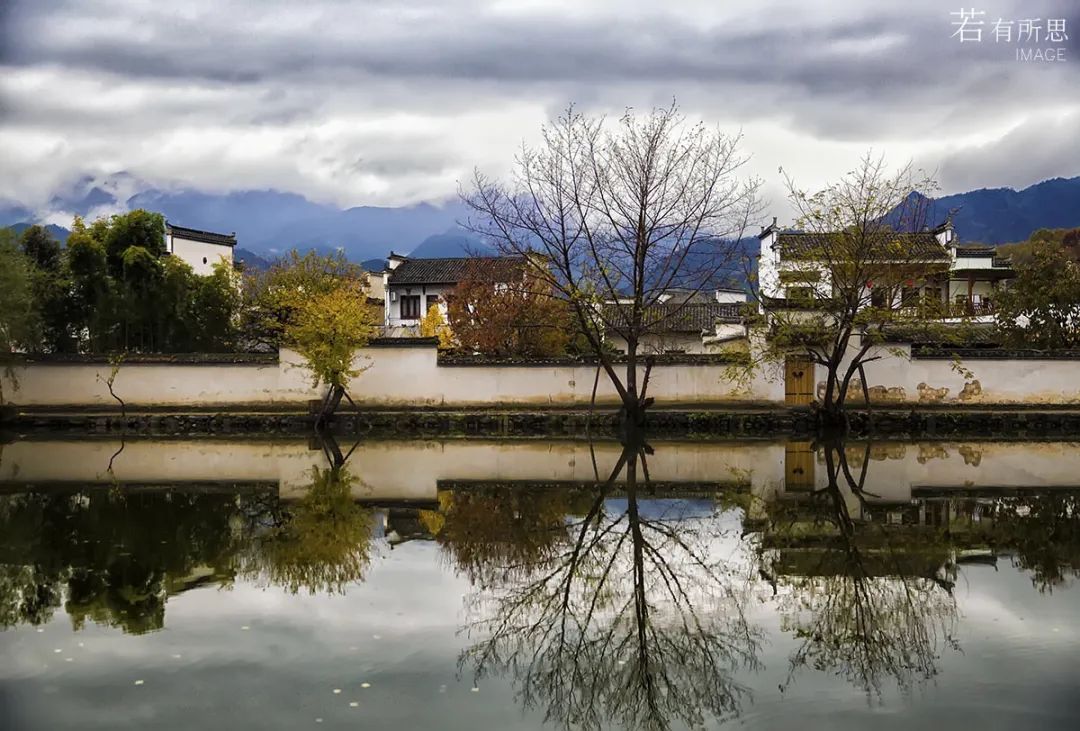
(952, 309)
(971, 309)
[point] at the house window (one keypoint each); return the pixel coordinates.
(909, 297)
(432, 300)
(800, 294)
(879, 298)
(410, 307)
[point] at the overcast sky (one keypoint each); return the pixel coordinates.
(379, 102)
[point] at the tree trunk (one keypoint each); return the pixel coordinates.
(329, 406)
(831, 416)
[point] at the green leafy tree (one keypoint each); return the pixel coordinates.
(140, 290)
(112, 289)
(214, 310)
(1041, 306)
(50, 288)
(18, 318)
(139, 229)
(92, 289)
(18, 314)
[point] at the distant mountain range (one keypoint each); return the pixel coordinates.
(269, 222)
(1004, 215)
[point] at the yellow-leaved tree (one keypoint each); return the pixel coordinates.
(329, 327)
(434, 325)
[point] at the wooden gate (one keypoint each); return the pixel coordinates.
(798, 381)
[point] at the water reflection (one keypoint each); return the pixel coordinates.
(869, 601)
(114, 556)
(322, 542)
(605, 608)
(611, 585)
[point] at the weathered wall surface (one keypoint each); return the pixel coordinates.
(412, 376)
(900, 378)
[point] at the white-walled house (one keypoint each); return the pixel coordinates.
(729, 295)
(412, 286)
(787, 269)
(200, 249)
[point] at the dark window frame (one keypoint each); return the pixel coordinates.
(412, 312)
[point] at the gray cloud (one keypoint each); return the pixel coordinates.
(358, 97)
(1041, 148)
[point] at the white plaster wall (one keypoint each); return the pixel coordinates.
(194, 252)
(402, 377)
(376, 286)
(998, 381)
(769, 267)
(979, 288)
(84, 384)
(411, 376)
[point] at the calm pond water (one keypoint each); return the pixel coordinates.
(528, 584)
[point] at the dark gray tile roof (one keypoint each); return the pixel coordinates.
(453, 270)
(975, 251)
(693, 317)
(194, 234)
(889, 246)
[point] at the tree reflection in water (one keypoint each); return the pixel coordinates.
(867, 601)
(617, 613)
(114, 556)
(322, 542)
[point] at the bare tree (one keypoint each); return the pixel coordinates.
(618, 218)
(860, 262)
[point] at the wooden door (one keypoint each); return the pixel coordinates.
(798, 381)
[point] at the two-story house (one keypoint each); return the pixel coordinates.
(963, 279)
